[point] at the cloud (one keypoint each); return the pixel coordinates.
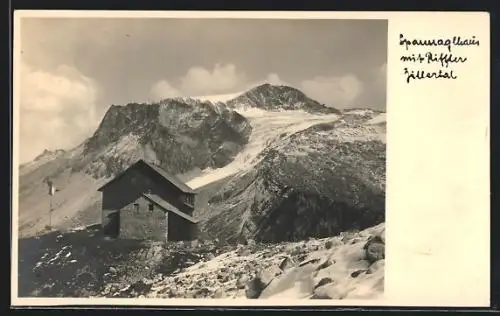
(375, 92)
(342, 91)
(57, 109)
(274, 79)
(201, 81)
(339, 91)
(271, 78)
(162, 90)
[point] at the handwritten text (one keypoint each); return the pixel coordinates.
(444, 60)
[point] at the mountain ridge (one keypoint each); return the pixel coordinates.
(231, 100)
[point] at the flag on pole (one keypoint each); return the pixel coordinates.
(52, 187)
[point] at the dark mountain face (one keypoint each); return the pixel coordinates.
(272, 97)
(180, 134)
(316, 183)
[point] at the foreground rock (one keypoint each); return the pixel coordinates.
(341, 267)
(347, 266)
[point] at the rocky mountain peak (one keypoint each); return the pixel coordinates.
(279, 97)
(121, 120)
(279, 90)
(182, 133)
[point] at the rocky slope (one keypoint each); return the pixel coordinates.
(275, 97)
(44, 157)
(81, 264)
(313, 183)
(180, 135)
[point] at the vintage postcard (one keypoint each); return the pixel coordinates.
(251, 158)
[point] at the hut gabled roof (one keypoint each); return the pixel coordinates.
(162, 174)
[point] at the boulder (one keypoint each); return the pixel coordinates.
(242, 281)
(377, 239)
(287, 263)
(325, 264)
(356, 273)
(377, 265)
(141, 287)
(209, 256)
(218, 293)
(329, 292)
(329, 244)
(255, 287)
(374, 250)
(309, 261)
(267, 275)
(323, 281)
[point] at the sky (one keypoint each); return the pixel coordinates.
(73, 69)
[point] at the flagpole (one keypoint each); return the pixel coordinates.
(50, 213)
(52, 190)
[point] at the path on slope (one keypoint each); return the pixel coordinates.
(267, 127)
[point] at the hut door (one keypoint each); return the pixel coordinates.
(112, 229)
(117, 227)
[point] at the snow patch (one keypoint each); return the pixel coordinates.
(268, 126)
(381, 118)
(359, 111)
(218, 98)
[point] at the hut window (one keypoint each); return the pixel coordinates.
(151, 207)
(136, 207)
(189, 199)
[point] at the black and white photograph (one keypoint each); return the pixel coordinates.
(202, 158)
